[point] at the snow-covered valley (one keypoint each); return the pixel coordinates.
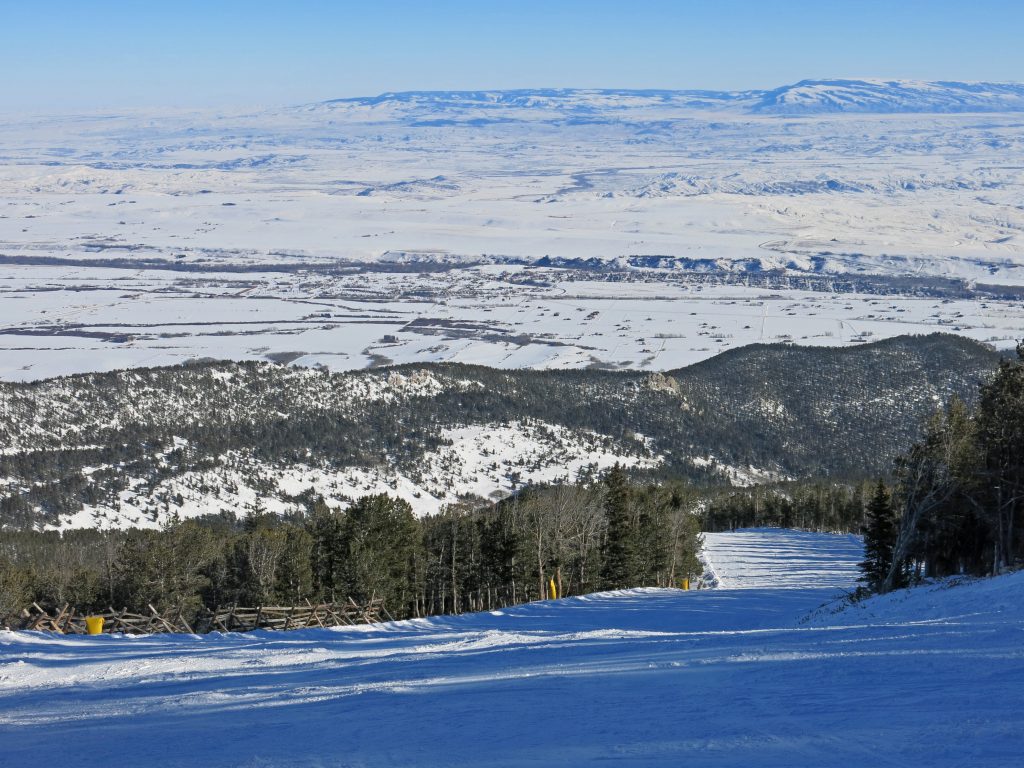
(753, 672)
(540, 229)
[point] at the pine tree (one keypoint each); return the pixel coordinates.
(879, 539)
(324, 526)
(380, 538)
(619, 551)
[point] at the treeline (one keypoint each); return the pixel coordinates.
(581, 538)
(809, 505)
(954, 503)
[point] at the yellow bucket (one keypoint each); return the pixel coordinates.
(94, 625)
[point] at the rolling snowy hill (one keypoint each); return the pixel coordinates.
(751, 673)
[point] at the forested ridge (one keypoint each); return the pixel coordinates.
(784, 411)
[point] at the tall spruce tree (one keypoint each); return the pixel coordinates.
(619, 556)
(879, 539)
(380, 538)
(325, 527)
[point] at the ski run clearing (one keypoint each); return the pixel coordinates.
(756, 672)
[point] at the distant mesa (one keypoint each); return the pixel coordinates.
(477, 108)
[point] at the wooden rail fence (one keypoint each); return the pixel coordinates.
(68, 621)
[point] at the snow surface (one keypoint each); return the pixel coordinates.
(754, 673)
(773, 559)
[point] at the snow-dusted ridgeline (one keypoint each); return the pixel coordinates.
(134, 447)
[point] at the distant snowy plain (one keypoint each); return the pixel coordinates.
(543, 229)
(759, 671)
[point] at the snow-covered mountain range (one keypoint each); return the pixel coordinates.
(824, 96)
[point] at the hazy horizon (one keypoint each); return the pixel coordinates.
(116, 55)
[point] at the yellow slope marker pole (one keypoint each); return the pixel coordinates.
(552, 589)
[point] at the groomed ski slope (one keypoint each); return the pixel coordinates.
(748, 674)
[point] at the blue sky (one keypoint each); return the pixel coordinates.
(57, 56)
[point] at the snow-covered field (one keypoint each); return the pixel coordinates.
(746, 674)
(144, 239)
